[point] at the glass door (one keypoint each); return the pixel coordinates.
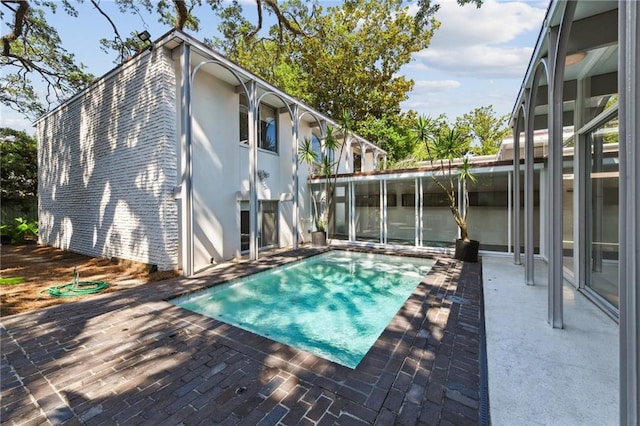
(268, 224)
(602, 211)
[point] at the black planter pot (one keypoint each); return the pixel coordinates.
(467, 250)
(319, 239)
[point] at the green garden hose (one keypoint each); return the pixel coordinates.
(78, 288)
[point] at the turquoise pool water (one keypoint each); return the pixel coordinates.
(334, 305)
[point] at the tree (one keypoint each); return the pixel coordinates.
(32, 50)
(444, 145)
(18, 166)
(349, 59)
(483, 127)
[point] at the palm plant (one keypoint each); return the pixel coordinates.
(443, 146)
(328, 169)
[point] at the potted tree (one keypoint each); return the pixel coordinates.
(327, 168)
(323, 168)
(443, 146)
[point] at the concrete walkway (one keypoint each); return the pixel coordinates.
(544, 376)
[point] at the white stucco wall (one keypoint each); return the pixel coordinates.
(221, 172)
(107, 167)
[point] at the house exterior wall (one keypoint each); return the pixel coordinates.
(221, 172)
(107, 166)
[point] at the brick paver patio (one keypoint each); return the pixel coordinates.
(131, 358)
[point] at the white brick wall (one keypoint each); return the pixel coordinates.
(107, 167)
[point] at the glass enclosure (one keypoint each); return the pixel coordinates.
(416, 211)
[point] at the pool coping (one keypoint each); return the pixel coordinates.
(424, 366)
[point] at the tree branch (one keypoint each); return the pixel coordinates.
(18, 25)
(183, 14)
(113, 25)
(258, 27)
(273, 5)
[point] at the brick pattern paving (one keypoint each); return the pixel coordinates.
(132, 358)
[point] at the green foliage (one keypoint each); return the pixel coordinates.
(349, 60)
(11, 280)
(482, 127)
(392, 133)
(444, 145)
(20, 231)
(34, 50)
(327, 168)
(18, 165)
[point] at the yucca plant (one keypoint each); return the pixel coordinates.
(443, 146)
(327, 169)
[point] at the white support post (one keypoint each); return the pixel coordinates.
(558, 42)
(186, 137)
(253, 119)
(528, 183)
(296, 179)
(383, 211)
(418, 211)
(516, 191)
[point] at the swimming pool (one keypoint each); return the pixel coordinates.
(334, 305)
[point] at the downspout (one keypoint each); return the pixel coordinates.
(186, 149)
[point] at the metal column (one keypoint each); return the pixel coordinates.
(558, 42)
(516, 191)
(629, 228)
(530, 107)
(186, 160)
(296, 180)
(252, 117)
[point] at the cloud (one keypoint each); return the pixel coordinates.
(482, 42)
(493, 23)
(15, 121)
(478, 61)
(434, 86)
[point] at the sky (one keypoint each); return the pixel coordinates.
(477, 57)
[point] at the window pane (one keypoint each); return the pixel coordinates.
(268, 223)
(602, 208)
(488, 214)
(401, 211)
(439, 229)
(268, 129)
(340, 220)
(367, 211)
(244, 120)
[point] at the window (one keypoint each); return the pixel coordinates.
(357, 162)
(316, 146)
(268, 128)
(244, 120)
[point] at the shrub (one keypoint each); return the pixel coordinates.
(21, 231)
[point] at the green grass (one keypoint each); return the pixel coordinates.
(11, 280)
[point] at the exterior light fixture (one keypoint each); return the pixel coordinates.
(574, 58)
(144, 36)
